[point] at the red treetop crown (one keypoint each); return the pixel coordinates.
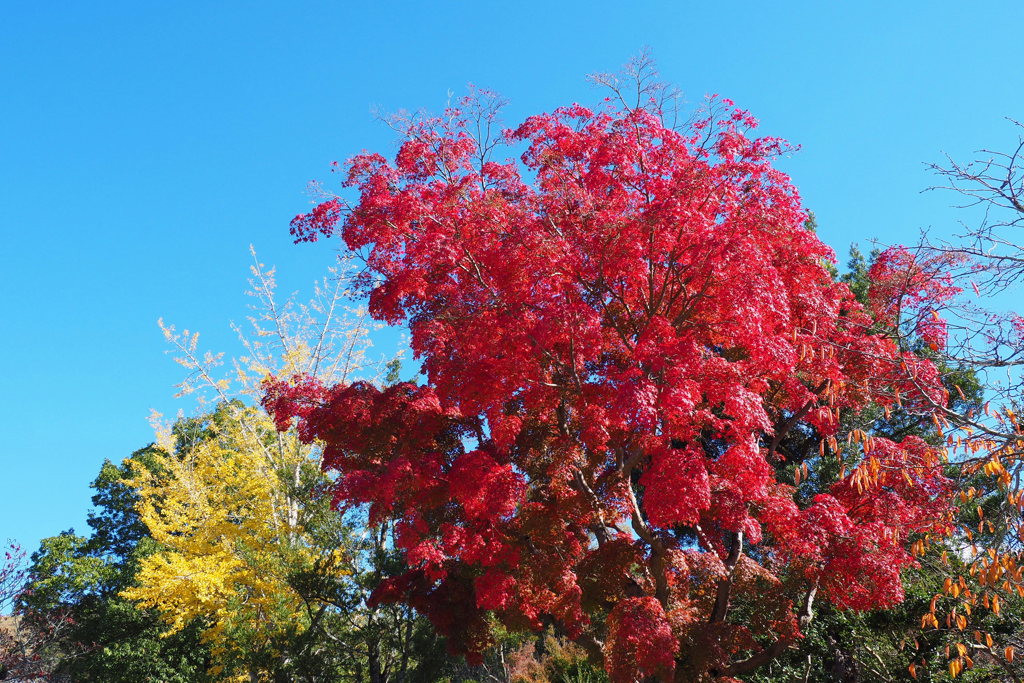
(627, 338)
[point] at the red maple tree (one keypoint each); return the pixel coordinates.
(631, 344)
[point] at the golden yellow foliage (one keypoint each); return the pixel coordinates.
(230, 531)
(229, 502)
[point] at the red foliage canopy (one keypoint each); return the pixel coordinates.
(628, 336)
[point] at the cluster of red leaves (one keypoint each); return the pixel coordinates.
(911, 287)
(640, 640)
(617, 333)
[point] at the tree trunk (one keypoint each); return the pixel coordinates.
(373, 661)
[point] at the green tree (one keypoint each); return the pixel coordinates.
(76, 579)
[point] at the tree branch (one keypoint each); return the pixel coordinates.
(721, 608)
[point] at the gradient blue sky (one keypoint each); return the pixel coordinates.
(145, 145)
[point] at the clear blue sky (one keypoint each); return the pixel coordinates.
(145, 145)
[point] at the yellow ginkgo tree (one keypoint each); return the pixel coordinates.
(231, 504)
(231, 539)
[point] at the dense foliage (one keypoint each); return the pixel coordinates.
(623, 335)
